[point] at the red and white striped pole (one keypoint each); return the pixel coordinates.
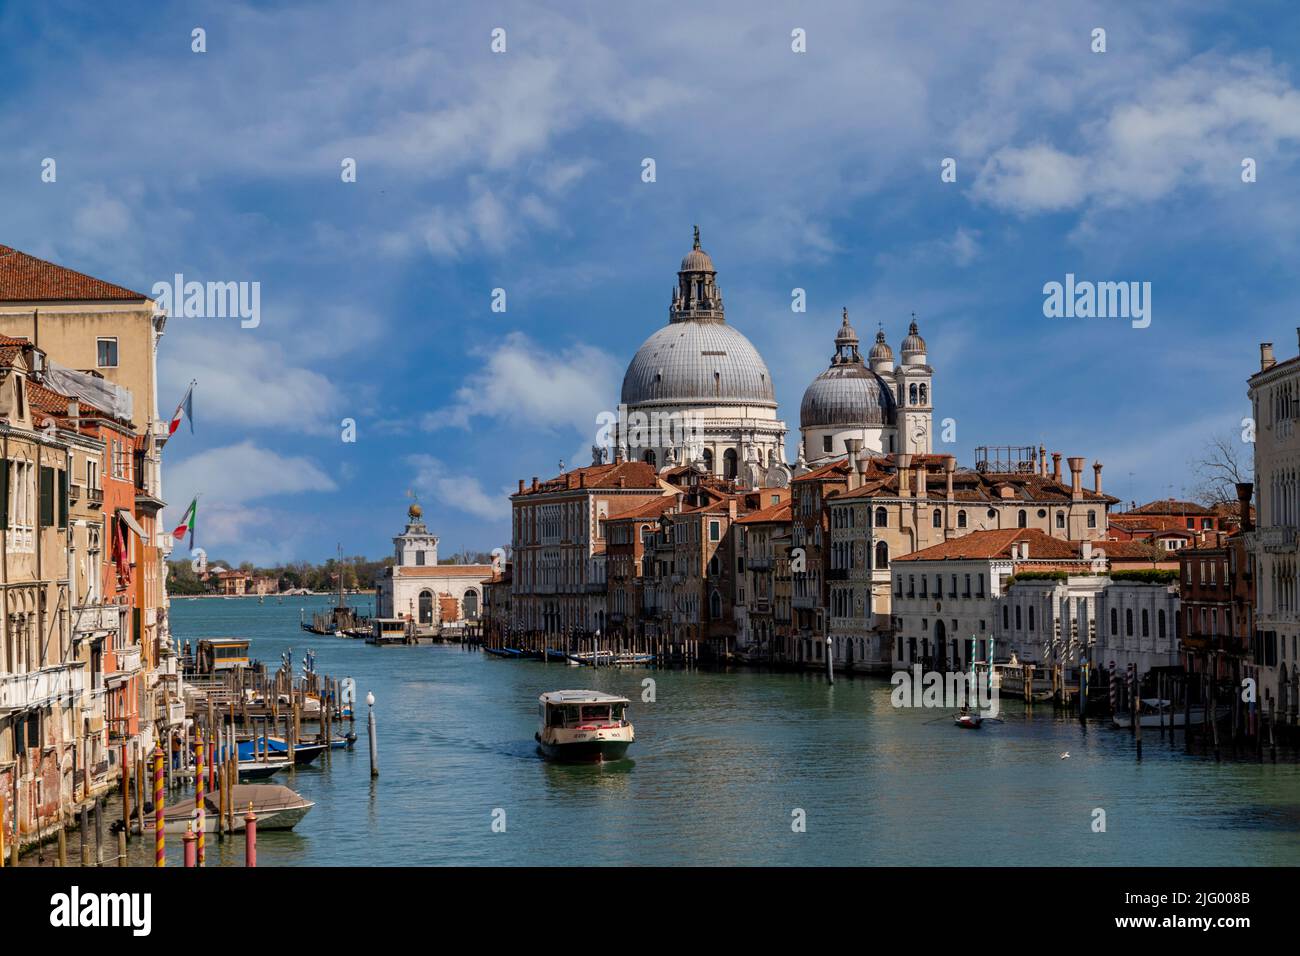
(159, 814)
(199, 781)
(250, 837)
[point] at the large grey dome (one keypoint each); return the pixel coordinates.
(698, 362)
(847, 395)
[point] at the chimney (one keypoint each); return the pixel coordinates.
(1266, 360)
(1042, 461)
(920, 481)
(1056, 465)
(1076, 477)
(1244, 491)
(949, 466)
(904, 463)
(1086, 551)
(534, 482)
(731, 508)
(582, 479)
(852, 445)
(1096, 477)
(521, 486)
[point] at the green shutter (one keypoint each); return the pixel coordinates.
(4, 494)
(63, 498)
(47, 497)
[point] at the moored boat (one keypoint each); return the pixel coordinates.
(584, 726)
(276, 808)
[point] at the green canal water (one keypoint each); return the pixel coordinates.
(722, 761)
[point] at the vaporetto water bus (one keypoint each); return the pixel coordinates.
(583, 726)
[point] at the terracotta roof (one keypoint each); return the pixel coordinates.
(444, 571)
(1169, 506)
(25, 278)
(1129, 549)
(996, 544)
(634, 474)
(651, 509)
(777, 513)
(834, 471)
(975, 487)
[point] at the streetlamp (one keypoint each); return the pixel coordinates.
(374, 746)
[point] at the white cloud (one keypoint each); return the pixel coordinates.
(235, 474)
(458, 491)
(522, 385)
(245, 379)
(1187, 128)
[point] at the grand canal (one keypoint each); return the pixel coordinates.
(721, 762)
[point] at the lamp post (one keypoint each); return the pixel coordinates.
(374, 746)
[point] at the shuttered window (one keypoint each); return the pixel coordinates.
(63, 498)
(47, 497)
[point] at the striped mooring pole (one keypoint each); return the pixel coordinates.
(198, 795)
(159, 814)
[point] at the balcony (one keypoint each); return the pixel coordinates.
(128, 661)
(96, 619)
(95, 496)
(1277, 540)
(41, 688)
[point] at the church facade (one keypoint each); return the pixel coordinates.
(419, 589)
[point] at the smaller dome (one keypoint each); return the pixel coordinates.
(913, 342)
(881, 352)
(846, 335)
(697, 260)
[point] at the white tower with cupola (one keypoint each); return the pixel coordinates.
(914, 379)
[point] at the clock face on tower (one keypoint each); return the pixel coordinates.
(919, 432)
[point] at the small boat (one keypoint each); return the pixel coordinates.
(584, 726)
(633, 660)
(555, 654)
(262, 769)
(968, 721)
(276, 808)
(276, 747)
(502, 651)
(593, 658)
(1154, 711)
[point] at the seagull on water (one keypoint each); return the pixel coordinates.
(1065, 755)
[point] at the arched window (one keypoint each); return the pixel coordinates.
(925, 393)
(911, 394)
(1060, 519)
(1128, 621)
(1031, 617)
(715, 605)
(961, 519)
(649, 457)
(1146, 624)
(1006, 617)
(708, 460)
(937, 519)
(1160, 623)
(1092, 518)
(882, 518)
(1021, 519)
(1114, 622)
(882, 555)
(470, 604)
(714, 565)
(729, 463)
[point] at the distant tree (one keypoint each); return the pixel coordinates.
(1223, 462)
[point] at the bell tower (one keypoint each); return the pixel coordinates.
(915, 395)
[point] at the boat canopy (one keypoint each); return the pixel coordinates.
(556, 697)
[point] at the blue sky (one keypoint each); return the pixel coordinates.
(522, 170)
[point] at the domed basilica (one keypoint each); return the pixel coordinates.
(698, 393)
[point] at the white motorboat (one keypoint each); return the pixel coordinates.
(276, 808)
(584, 726)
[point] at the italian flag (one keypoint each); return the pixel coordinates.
(187, 523)
(184, 410)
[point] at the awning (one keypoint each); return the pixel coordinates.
(129, 520)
